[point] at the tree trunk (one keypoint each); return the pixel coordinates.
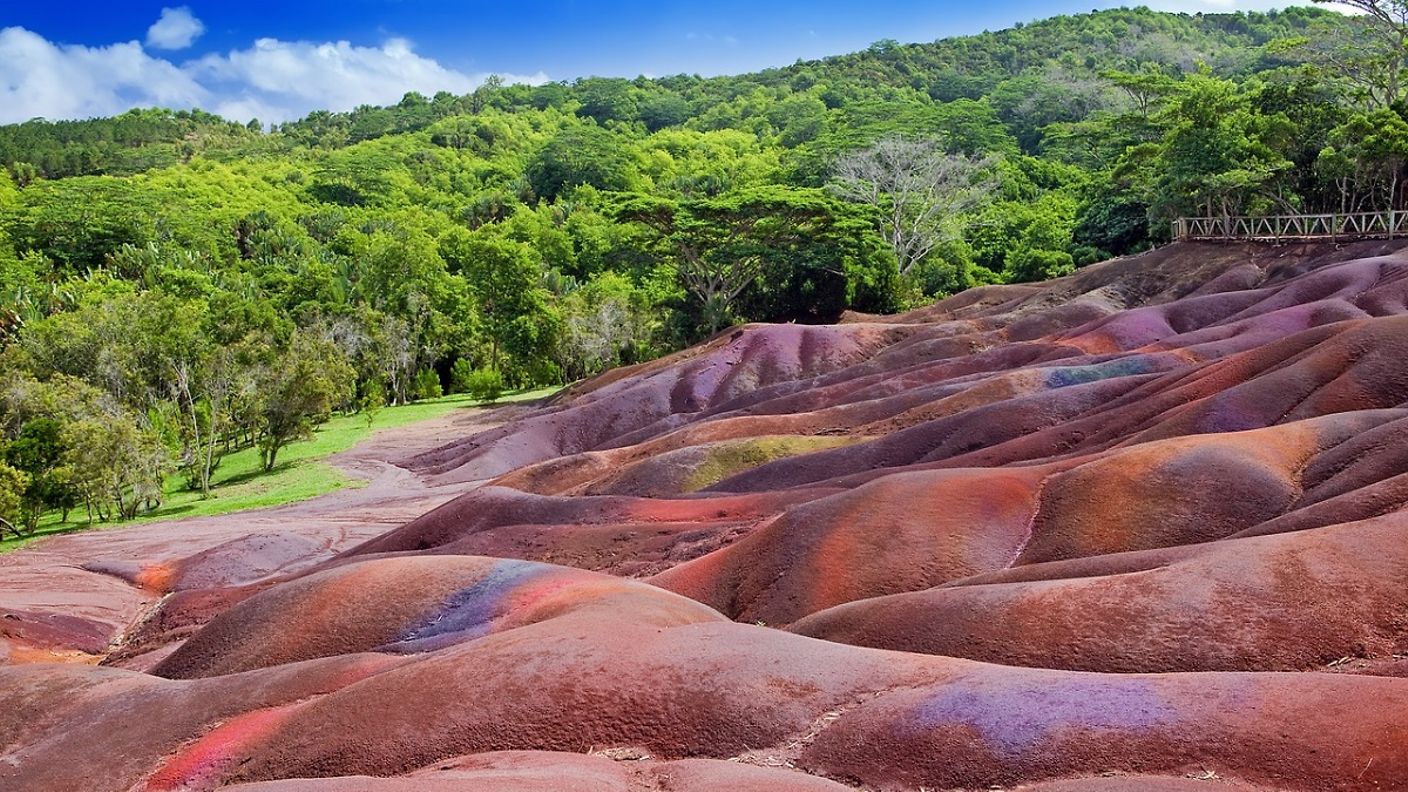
(208, 465)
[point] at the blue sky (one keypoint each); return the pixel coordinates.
(277, 60)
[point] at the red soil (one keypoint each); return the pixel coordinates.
(1141, 528)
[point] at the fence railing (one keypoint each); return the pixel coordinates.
(1275, 228)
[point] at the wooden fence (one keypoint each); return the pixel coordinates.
(1277, 228)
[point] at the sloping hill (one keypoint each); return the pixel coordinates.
(1137, 528)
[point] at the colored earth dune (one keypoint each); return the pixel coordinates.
(1140, 528)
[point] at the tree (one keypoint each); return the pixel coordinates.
(482, 385)
(1026, 240)
(13, 484)
(1369, 51)
(118, 465)
(482, 95)
(144, 348)
(686, 163)
(1030, 103)
(1146, 88)
(663, 109)
(923, 193)
(582, 154)
(607, 99)
(1366, 160)
(722, 246)
(1215, 159)
(174, 338)
(606, 322)
(297, 390)
(1112, 223)
(371, 402)
(427, 385)
(503, 277)
(79, 222)
(226, 382)
(25, 174)
(798, 118)
(38, 452)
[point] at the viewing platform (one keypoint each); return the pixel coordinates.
(1293, 228)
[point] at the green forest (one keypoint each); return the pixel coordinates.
(176, 287)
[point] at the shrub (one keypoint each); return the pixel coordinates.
(1025, 265)
(372, 400)
(484, 385)
(460, 374)
(427, 385)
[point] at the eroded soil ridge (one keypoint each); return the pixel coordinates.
(1141, 528)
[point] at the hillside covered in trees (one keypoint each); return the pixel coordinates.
(174, 285)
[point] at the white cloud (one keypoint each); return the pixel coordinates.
(284, 76)
(177, 28)
(272, 80)
(38, 78)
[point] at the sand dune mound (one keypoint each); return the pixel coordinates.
(1140, 528)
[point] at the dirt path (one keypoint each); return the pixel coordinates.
(66, 598)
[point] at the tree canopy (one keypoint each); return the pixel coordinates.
(174, 285)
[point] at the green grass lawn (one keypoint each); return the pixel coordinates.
(240, 482)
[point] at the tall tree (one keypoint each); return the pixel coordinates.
(580, 154)
(1370, 51)
(38, 452)
(722, 246)
(503, 277)
(921, 190)
(13, 484)
(118, 464)
(1215, 157)
(299, 388)
(1366, 158)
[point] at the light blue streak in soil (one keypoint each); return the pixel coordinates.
(468, 613)
(1014, 717)
(1079, 375)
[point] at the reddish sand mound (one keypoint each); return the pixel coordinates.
(1205, 781)
(713, 690)
(530, 771)
(734, 364)
(408, 606)
(1140, 528)
(1288, 601)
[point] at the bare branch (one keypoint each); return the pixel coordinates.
(922, 191)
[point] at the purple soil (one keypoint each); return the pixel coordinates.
(537, 771)
(99, 583)
(1139, 528)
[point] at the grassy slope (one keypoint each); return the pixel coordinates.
(302, 473)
